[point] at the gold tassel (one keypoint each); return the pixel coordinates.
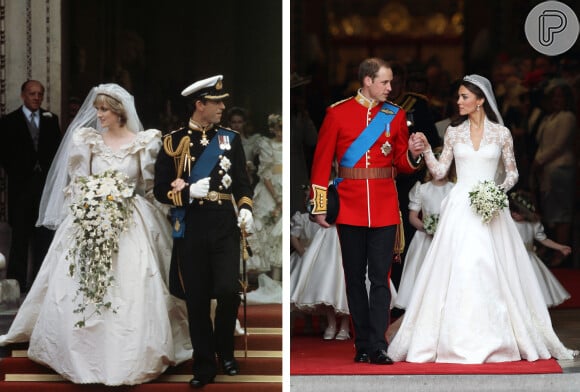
(399, 247)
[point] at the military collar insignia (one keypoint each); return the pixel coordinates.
(364, 101)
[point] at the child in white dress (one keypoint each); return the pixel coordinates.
(527, 222)
(318, 285)
(266, 243)
(317, 281)
(424, 204)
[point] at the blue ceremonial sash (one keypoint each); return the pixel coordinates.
(368, 136)
(209, 157)
(202, 168)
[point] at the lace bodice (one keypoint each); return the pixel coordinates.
(477, 165)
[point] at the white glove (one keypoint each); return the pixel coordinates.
(245, 216)
(199, 189)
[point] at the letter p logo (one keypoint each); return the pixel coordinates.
(551, 22)
(552, 28)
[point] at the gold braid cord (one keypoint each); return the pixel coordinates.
(180, 155)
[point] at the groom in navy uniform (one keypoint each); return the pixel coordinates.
(29, 139)
(201, 172)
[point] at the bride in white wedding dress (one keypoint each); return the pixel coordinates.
(148, 330)
(476, 298)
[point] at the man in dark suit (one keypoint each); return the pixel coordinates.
(29, 139)
(201, 172)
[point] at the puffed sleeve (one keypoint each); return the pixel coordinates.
(539, 234)
(266, 158)
(297, 225)
(79, 160)
(150, 141)
(415, 197)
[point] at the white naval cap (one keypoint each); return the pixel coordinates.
(209, 88)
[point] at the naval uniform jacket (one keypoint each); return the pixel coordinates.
(363, 202)
(228, 178)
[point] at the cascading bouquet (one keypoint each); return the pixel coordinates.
(101, 209)
(430, 222)
(487, 199)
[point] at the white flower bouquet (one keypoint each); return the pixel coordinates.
(487, 199)
(430, 222)
(101, 209)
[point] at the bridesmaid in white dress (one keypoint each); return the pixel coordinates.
(530, 229)
(426, 199)
(266, 242)
(476, 298)
(148, 330)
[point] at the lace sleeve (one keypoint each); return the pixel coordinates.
(509, 160)
(439, 168)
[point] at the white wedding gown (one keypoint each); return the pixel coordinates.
(476, 298)
(149, 330)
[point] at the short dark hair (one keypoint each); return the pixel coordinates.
(369, 67)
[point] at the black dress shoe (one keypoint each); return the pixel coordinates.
(361, 356)
(201, 380)
(380, 357)
(230, 366)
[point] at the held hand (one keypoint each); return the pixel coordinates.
(245, 216)
(200, 188)
(320, 219)
(178, 185)
(565, 250)
(416, 144)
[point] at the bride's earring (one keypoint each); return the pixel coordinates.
(477, 108)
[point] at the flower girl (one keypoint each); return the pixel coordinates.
(424, 203)
(527, 222)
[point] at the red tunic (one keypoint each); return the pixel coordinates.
(366, 202)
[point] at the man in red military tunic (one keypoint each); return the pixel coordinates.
(369, 138)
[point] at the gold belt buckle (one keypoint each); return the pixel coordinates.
(213, 196)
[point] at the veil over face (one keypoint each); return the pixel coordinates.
(52, 204)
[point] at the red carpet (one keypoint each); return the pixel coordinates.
(314, 356)
(570, 279)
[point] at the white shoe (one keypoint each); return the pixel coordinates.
(329, 333)
(342, 335)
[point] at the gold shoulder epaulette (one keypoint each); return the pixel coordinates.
(174, 131)
(394, 104)
(339, 102)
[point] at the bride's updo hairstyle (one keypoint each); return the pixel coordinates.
(113, 104)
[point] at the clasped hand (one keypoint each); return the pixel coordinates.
(418, 144)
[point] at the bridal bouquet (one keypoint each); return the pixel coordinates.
(101, 209)
(487, 199)
(430, 223)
